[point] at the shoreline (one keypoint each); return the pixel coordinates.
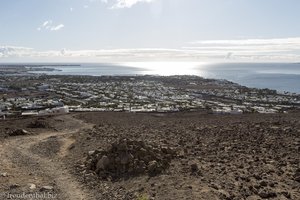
(258, 77)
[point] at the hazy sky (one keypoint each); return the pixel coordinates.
(146, 30)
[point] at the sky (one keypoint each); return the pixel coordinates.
(149, 30)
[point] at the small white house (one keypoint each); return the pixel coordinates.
(29, 113)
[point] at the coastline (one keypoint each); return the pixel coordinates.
(284, 77)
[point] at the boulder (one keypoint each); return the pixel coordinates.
(103, 163)
(39, 124)
(18, 132)
(4, 174)
(32, 186)
(194, 168)
(46, 188)
(153, 167)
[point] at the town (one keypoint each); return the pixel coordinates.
(37, 94)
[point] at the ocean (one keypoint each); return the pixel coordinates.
(278, 76)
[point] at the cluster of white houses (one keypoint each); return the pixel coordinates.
(144, 96)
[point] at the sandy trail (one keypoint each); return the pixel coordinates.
(25, 167)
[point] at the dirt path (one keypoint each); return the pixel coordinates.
(25, 167)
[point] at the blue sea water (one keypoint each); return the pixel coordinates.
(278, 76)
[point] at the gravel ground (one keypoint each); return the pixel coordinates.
(251, 156)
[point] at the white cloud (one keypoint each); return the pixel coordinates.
(58, 27)
(49, 25)
(46, 22)
(129, 3)
(117, 4)
(109, 55)
(71, 9)
(272, 41)
(272, 50)
(12, 51)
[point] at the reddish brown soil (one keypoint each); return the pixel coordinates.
(251, 156)
(239, 157)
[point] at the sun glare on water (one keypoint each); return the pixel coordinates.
(168, 68)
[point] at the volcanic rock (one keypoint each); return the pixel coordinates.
(127, 158)
(46, 188)
(18, 132)
(38, 124)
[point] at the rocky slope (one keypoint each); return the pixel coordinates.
(153, 156)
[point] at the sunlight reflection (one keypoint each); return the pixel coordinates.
(170, 68)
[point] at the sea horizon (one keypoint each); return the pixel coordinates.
(280, 76)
